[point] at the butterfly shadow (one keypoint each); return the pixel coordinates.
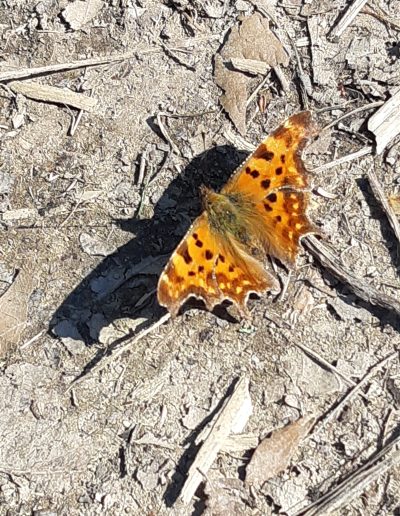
(124, 284)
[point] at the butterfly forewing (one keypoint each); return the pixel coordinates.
(284, 221)
(276, 162)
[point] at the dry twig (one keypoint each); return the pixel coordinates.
(166, 135)
(338, 408)
(324, 363)
(362, 289)
(355, 483)
(344, 159)
(367, 107)
(347, 18)
(114, 352)
(387, 208)
(23, 73)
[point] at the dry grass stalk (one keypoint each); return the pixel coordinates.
(355, 483)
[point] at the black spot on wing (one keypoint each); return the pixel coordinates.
(263, 153)
(184, 252)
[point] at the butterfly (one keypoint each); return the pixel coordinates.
(260, 211)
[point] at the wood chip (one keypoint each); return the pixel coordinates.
(13, 311)
(346, 19)
(274, 453)
(385, 122)
(250, 66)
(46, 93)
(231, 419)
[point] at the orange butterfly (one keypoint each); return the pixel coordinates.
(261, 210)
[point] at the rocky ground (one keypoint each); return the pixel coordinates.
(103, 404)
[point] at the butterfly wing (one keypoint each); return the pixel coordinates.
(207, 266)
(284, 222)
(276, 162)
(190, 270)
(274, 180)
(238, 274)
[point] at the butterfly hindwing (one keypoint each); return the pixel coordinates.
(208, 266)
(190, 270)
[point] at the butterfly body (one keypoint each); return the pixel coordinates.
(260, 211)
(229, 214)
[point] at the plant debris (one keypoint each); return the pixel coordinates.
(232, 419)
(13, 311)
(47, 93)
(79, 13)
(251, 40)
(274, 453)
(385, 122)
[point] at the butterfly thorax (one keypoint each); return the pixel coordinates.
(228, 214)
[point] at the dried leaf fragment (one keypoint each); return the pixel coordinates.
(13, 311)
(79, 13)
(274, 453)
(253, 41)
